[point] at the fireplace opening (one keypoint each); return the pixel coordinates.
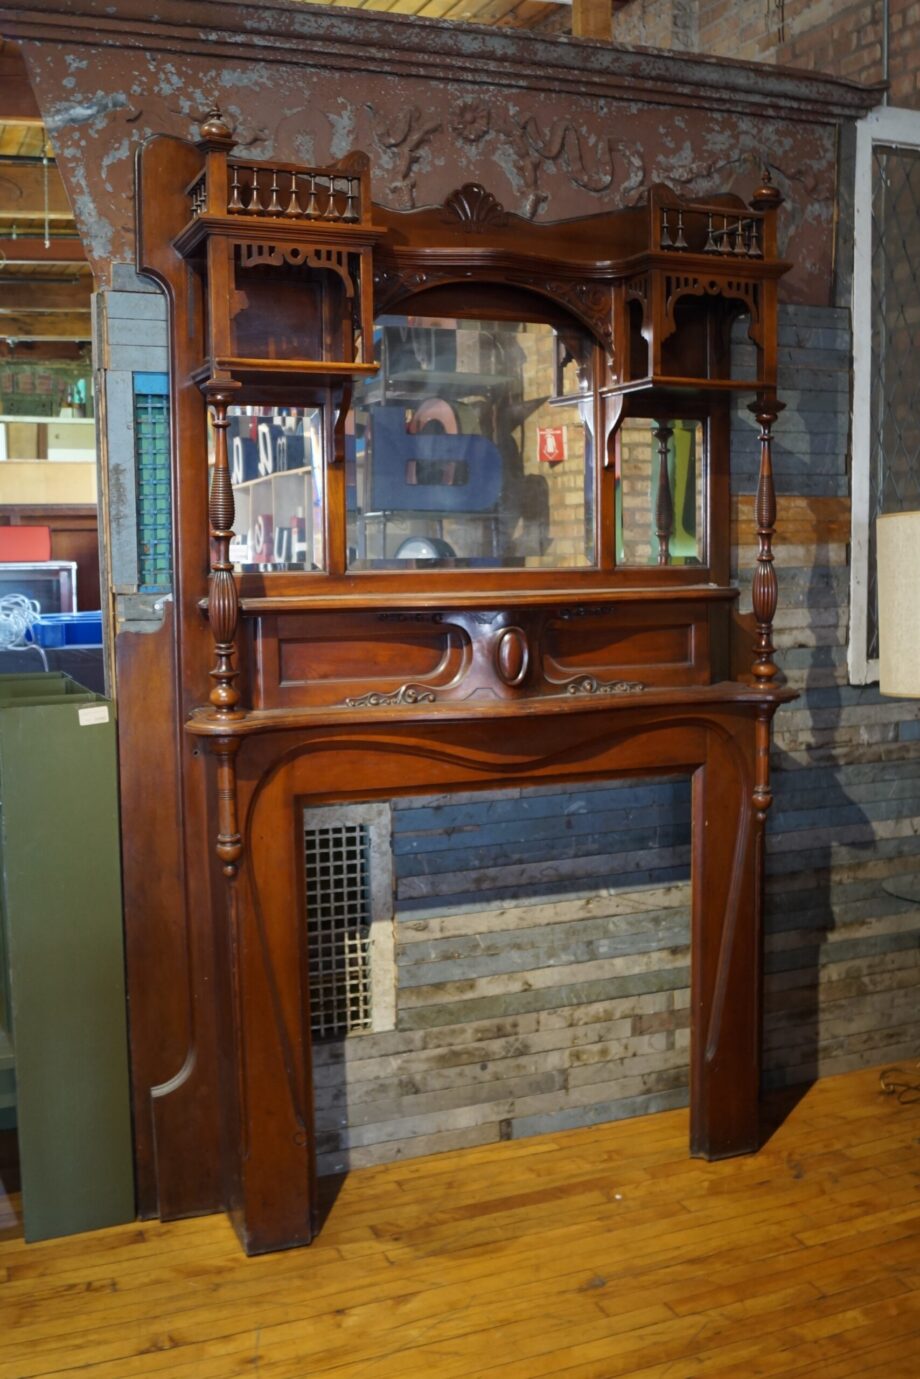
(538, 964)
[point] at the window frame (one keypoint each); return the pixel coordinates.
(894, 128)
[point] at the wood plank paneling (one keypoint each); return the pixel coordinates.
(17, 99)
(23, 192)
(46, 325)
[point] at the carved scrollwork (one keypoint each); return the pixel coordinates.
(589, 684)
(677, 285)
(636, 289)
(406, 694)
(404, 139)
(392, 284)
(475, 208)
(590, 302)
(259, 254)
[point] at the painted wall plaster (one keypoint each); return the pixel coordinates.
(544, 155)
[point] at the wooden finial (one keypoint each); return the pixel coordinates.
(767, 196)
(214, 128)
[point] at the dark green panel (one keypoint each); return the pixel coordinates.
(62, 905)
(154, 482)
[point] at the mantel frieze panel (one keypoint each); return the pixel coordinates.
(105, 85)
(396, 46)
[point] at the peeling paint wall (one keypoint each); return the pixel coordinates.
(542, 155)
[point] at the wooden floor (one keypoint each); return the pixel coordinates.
(591, 1254)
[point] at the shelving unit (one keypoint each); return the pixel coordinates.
(289, 508)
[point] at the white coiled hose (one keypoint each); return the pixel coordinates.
(17, 614)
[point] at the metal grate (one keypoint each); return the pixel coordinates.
(894, 462)
(154, 498)
(339, 912)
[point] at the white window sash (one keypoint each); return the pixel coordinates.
(895, 129)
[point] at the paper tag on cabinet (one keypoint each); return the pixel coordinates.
(93, 713)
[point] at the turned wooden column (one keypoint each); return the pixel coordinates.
(229, 846)
(766, 409)
(223, 616)
(664, 502)
(223, 600)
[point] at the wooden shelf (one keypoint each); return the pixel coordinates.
(203, 722)
(270, 478)
(674, 385)
(50, 421)
(421, 599)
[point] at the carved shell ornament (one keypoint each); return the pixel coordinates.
(475, 208)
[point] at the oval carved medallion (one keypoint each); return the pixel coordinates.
(512, 656)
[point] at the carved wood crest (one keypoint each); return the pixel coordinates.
(475, 208)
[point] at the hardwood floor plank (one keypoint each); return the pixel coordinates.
(592, 1254)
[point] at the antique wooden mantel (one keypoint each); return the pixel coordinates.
(357, 680)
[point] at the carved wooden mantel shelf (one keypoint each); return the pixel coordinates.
(472, 382)
(584, 694)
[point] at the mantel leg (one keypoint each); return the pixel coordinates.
(273, 1198)
(725, 952)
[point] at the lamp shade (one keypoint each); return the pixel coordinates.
(898, 541)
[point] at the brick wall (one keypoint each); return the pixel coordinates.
(658, 24)
(840, 37)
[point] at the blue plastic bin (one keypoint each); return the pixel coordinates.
(67, 629)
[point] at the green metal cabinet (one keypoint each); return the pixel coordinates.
(63, 1020)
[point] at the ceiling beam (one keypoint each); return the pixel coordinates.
(17, 99)
(592, 19)
(22, 192)
(32, 350)
(35, 295)
(32, 249)
(46, 325)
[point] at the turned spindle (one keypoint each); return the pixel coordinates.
(766, 409)
(223, 600)
(664, 502)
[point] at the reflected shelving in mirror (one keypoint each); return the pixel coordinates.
(277, 470)
(659, 506)
(461, 453)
